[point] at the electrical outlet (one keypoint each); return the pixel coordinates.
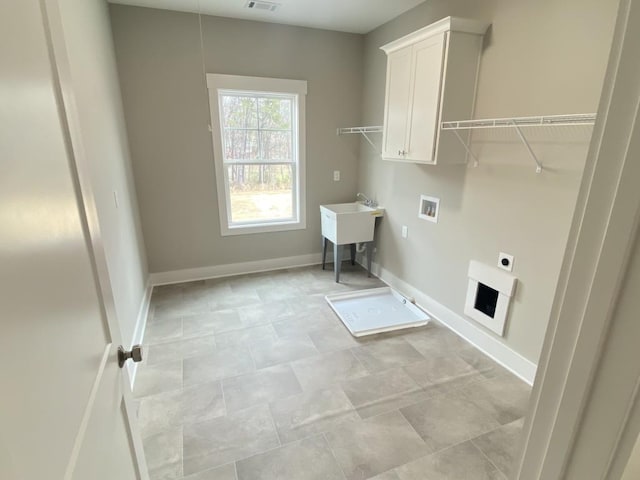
(336, 175)
(505, 261)
(405, 231)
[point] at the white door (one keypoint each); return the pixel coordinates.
(423, 125)
(396, 104)
(62, 405)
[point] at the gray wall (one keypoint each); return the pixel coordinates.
(544, 57)
(98, 100)
(167, 113)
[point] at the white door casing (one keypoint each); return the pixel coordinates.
(584, 418)
(64, 408)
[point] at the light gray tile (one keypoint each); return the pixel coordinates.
(163, 452)
(309, 459)
(154, 354)
(310, 413)
(463, 461)
(215, 345)
(226, 472)
(502, 445)
(324, 286)
(266, 385)
(168, 311)
(435, 340)
(264, 313)
(223, 363)
(222, 287)
(171, 471)
(177, 350)
(243, 284)
(161, 412)
(237, 299)
(327, 369)
(481, 362)
(200, 297)
(296, 276)
(448, 419)
(443, 373)
(164, 294)
(227, 439)
(315, 319)
(152, 379)
(179, 307)
(282, 350)
(247, 336)
(163, 331)
(367, 448)
(211, 322)
(202, 402)
(383, 392)
(335, 338)
(387, 353)
(390, 475)
(278, 292)
(200, 345)
(305, 304)
(506, 396)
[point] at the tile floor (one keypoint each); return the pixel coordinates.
(253, 377)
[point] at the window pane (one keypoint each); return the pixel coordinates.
(260, 192)
(276, 146)
(239, 111)
(240, 145)
(275, 113)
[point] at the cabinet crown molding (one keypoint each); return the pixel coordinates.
(447, 24)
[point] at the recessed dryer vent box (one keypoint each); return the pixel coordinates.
(488, 296)
(429, 207)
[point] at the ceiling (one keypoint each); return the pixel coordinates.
(356, 16)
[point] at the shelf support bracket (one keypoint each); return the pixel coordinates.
(526, 144)
(466, 147)
(366, 137)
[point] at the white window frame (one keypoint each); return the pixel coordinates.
(217, 84)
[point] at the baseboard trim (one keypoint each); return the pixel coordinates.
(141, 325)
(230, 269)
(484, 341)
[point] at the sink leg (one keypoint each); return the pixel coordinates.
(324, 251)
(336, 261)
(369, 257)
(353, 253)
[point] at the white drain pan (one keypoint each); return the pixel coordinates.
(378, 310)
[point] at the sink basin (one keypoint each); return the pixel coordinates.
(345, 223)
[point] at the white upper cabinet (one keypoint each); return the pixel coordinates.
(431, 78)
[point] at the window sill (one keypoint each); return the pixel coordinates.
(263, 228)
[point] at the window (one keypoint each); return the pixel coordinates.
(258, 144)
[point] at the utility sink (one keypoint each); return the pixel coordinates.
(347, 223)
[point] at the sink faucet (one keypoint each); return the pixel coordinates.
(367, 201)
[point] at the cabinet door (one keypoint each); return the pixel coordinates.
(397, 104)
(426, 84)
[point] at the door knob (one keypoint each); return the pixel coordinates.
(134, 354)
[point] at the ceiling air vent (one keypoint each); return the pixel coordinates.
(262, 5)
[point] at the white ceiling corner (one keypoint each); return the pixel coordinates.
(356, 16)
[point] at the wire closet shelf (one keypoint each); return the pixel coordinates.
(364, 131)
(518, 123)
